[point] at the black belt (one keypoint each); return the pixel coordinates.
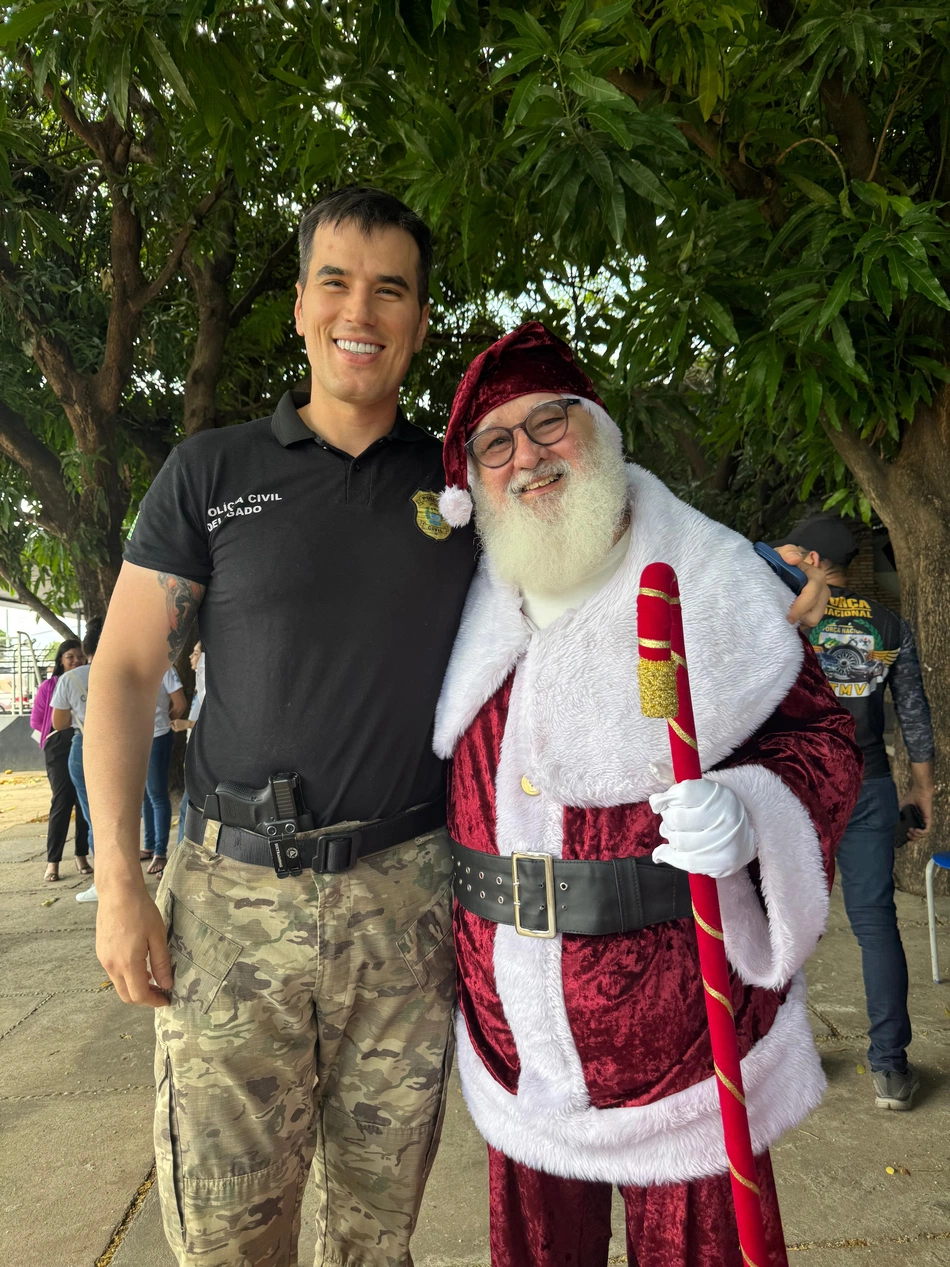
(326, 850)
(543, 896)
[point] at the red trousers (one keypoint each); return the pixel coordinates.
(540, 1220)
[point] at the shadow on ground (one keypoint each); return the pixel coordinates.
(75, 1088)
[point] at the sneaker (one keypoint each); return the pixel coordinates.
(895, 1090)
(88, 895)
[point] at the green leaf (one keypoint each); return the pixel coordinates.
(525, 93)
(168, 68)
(811, 394)
(614, 125)
(440, 10)
(813, 191)
(569, 20)
(880, 290)
(924, 282)
(610, 14)
(587, 86)
(755, 380)
(718, 317)
(837, 296)
(710, 80)
(642, 181)
(568, 198)
(676, 338)
(930, 366)
(842, 338)
(615, 207)
(897, 265)
(25, 21)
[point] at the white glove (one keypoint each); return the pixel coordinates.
(707, 827)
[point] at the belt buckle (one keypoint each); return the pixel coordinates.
(551, 930)
(321, 858)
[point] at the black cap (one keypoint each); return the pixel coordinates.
(827, 535)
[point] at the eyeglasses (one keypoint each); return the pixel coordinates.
(544, 425)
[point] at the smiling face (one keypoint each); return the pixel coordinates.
(359, 315)
(536, 472)
(73, 658)
(549, 517)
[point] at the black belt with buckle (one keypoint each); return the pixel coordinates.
(327, 850)
(543, 896)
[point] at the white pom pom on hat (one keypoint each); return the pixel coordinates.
(455, 506)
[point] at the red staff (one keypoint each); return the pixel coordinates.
(664, 692)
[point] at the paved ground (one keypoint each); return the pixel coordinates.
(75, 1108)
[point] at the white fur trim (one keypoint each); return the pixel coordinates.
(604, 423)
(766, 950)
(590, 744)
(551, 1126)
(455, 506)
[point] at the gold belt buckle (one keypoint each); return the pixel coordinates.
(551, 930)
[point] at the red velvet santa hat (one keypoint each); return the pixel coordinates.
(530, 359)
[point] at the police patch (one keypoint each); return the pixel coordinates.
(428, 519)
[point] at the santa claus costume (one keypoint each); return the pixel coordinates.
(584, 1057)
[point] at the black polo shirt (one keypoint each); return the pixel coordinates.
(334, 590)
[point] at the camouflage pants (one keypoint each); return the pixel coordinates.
(310, 1022)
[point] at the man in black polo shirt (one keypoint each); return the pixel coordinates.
(304, 987)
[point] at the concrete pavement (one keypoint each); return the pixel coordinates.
(75, 1109)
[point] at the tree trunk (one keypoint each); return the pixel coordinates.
(912, 497)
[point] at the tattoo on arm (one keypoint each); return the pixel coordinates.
(182, 600)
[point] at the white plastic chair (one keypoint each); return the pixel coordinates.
(938, 860)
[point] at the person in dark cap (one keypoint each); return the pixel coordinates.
(864, 647)
(584, 1052)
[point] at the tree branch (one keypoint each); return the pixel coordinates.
(41, 467)
(871, 471)
(849, 121)
(265, 280)
(182, 238)
(29, 599)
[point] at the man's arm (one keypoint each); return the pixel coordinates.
(177, 705)
(149, 617)
(62, 718)
(913, 713)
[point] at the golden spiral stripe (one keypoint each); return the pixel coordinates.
(707, 928)
(730, 1086)
(677, 659)
(746, 1183)
(674, 726)
(746, 1259)
(720, 998)
(654, 643)
(667, 598)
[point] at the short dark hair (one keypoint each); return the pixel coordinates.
(69, 645)
(369, 209)
(90, 641)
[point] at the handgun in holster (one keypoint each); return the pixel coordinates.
(275, 811)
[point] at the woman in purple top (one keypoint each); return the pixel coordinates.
(55, 745)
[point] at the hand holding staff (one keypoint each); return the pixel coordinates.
(664, 692)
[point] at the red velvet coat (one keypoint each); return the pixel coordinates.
(589, 1056)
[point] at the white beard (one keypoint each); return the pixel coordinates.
(550, 543)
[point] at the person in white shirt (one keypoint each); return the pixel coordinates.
(69, 710)
(187, 724)
(157, 806)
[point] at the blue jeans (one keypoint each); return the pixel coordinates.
(79, 779)
(157, 805)
(866, 864)
(182, 811)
